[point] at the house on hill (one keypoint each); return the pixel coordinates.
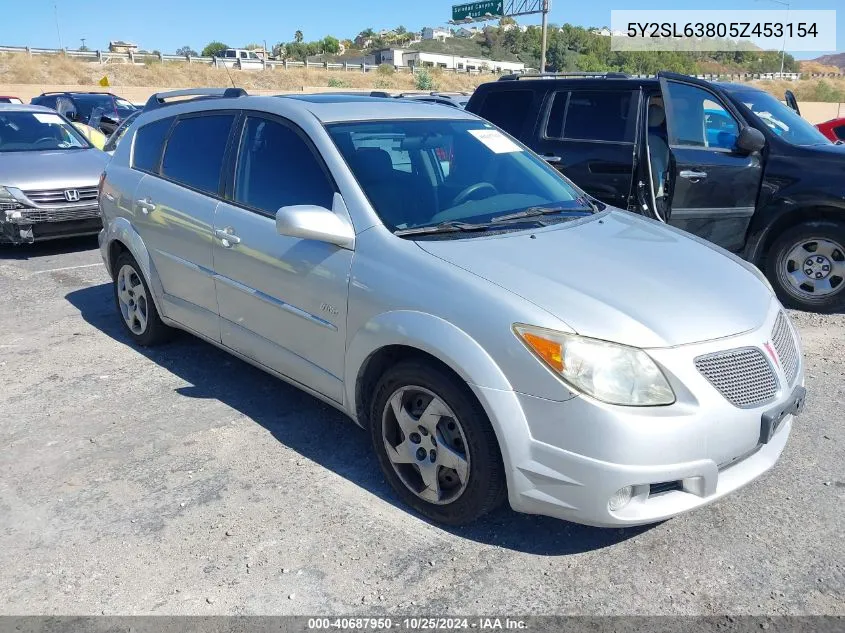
(119, 46)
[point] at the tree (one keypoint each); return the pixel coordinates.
(401, 30)
(186, 51)
(330, 45)
(213, 49)
(297, 37)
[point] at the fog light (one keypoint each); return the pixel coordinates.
(621, 498)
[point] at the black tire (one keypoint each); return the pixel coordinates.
(779, 263)
(155, 331)
(485, 487)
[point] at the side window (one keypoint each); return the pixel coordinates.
(276, 168)
(243, 55)
(508, 109)
(597, 115)
(146, 149)
(697, 119)
(194, 152)
(230, 53)
(839, 132)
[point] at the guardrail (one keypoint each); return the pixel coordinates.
(105, 57)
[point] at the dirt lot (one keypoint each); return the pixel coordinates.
(182, 481)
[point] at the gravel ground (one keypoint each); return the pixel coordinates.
(182, 481)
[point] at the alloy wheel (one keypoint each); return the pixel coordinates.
(426, 445)
(813, 268)
(132, 298)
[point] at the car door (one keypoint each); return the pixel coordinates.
(282, 300)
(712, 185)
(588, 135)
(174, 213)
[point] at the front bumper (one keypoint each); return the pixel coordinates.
(567, 459)
(28, 225)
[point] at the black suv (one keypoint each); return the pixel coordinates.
(727, 162)
(102, 109)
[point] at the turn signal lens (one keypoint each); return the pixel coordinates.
(550, 351)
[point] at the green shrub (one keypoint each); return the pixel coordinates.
(385, 69)
(424, 80)
(334, 82)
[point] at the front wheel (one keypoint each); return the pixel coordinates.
(435, 444)
(806, 266)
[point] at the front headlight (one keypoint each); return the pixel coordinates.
(616, 374)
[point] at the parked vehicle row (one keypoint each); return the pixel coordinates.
(498, 331)
(726, 162)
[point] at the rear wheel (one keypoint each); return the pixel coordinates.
(435, 444)
(135, 304)
(806, 266)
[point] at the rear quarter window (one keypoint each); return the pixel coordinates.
(508, 109)
(148, 143)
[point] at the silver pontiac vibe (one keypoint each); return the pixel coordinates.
(496, 331)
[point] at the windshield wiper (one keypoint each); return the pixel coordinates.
(533, 212)
(451, 226)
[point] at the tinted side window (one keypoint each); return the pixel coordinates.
(508, 109)
(594, 116)
(276, 168)
(146, 151)
(194, 152)
(839, 132)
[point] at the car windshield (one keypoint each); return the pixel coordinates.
(782, 119)
(124, 107)
(34, 131)
(419, 173)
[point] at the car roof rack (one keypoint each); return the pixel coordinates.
(582, 75)
(159, 99)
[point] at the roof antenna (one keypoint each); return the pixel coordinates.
(230, 74)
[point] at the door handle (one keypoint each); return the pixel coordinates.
(146, 205)
(552, 159)
(693, 175)
(227, 237)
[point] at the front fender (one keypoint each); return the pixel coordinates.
(121, 230)
(427, 333)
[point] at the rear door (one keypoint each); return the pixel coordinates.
(588, 135)
(174, 213)
(713, 187)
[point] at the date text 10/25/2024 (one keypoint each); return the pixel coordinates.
(416, 624)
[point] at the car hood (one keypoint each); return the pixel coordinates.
(620, 278)
(56, 169)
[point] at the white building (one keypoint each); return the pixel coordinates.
(436, 33)
(418, 59)
(467, 32)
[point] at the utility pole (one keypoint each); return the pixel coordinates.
(58, 30)
(544, 36)
(83, 42)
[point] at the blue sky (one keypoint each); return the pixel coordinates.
(167, 24)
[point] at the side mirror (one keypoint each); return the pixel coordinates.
(311, 222)
(750, 140)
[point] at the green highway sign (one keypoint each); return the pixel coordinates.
(474, 10)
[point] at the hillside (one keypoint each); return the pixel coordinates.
(836, 59)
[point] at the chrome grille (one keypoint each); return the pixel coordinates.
(743, 376)
(784, 342)
(57, 215)
(56, 197)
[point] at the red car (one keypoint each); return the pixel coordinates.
(833, 129)
(8, 99)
